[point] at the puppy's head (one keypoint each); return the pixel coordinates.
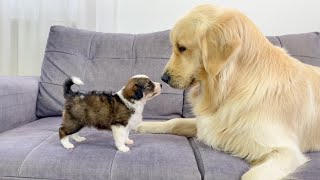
(141, 88)
(202, 43)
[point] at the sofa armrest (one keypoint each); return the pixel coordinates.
(18, 97)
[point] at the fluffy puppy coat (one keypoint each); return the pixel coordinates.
(119, 112)
(250, 98)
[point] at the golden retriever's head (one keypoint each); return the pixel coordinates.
(203, 41)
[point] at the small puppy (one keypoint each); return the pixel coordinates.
(119, 112)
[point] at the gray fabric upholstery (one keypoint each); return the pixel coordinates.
(215, 165)
(17, 101)
(16, 144)
(311, 170)
(34, 151)
(305, 47)
(105, 62)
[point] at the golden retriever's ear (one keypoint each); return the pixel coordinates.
(217, 48)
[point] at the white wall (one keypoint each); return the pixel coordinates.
(273, 17)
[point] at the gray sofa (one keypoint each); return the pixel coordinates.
(30, 113)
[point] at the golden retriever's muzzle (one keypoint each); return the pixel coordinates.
(165, 77)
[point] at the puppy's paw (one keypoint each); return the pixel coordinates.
(68, 146)
(129, 141)
(124, 149)
(76, 137)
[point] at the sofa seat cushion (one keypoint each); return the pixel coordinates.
(34, 151)
(214, 164)
(311, 170)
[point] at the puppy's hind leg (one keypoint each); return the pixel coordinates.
(65, 131)
(277, 165)
(119, 135)
(76, 137)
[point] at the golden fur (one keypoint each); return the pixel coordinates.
(250, 98)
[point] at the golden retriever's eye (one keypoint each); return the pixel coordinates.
(182, 48)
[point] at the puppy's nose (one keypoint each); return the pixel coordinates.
(160, 85)
(165, 77)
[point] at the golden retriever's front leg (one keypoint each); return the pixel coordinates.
(178, 126)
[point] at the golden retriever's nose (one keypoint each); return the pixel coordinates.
(165, 77)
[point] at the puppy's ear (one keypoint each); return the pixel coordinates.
(138, 92)
(217, 46)
(132, 91)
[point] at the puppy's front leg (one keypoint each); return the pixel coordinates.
(119, 135)
(128, 141)
(178, 126)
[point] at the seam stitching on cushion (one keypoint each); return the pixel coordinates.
(49, 51)
(42, 82)
(32, 151)
(132, 48)
(183, 95)
(111, 58)
(89, 53)
(279, 41)
(168, 49)
(306, 56)
(112, 164)
(85, 71)
(20, 177)
(16, 94)
(57, 67)
(44, 74)
(199, 160)
(134, 55)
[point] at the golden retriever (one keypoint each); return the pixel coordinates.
(250, 98)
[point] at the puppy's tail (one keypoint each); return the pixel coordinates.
(67, 91)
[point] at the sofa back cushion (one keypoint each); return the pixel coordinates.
(105, 62)
(304, 47)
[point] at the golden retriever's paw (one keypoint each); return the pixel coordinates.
(143, 127)
(152, 127)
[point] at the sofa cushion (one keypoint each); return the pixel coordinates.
(16, 144)
(305, 47)
(18, 97)
(34, 151)
(311, 170)
(104, 62)
(216, 165)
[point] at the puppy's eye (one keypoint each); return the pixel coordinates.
(182, 48)
(149, 85)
